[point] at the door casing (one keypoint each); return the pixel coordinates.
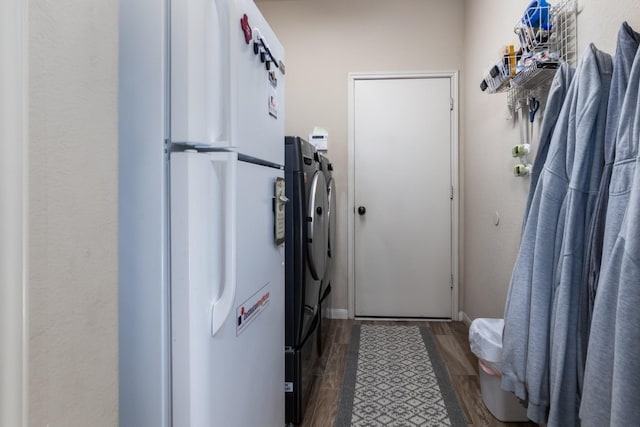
(14, 215)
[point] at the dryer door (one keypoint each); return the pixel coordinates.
(317, 226)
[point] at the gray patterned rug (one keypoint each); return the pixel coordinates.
(394, 377)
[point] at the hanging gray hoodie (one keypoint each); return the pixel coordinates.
(611, 390)
(585, 158)
(528, 310)
(555, 99)
(627, 46)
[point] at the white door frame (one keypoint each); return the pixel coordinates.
(13, 212)
(453, 75)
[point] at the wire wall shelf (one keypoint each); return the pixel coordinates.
(547, 36)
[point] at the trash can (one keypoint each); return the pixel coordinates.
(485, 339)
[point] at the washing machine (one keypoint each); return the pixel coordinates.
(326, 167)
(306, 253)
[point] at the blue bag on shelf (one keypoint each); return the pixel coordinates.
(537, 15)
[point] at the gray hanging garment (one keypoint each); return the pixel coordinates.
(610, 343)
(627, 46)
(528, 309)
(555, 99)
(585, 159)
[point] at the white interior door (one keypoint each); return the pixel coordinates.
(403, 197)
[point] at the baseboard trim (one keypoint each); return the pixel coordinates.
(337, 313)
(465, 318)
(342, 313)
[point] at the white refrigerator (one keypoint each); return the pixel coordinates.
(201, 215)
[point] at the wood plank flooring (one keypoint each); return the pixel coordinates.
(453, 344)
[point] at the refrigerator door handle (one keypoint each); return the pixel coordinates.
(221, 308)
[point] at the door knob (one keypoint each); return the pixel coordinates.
(362, 210)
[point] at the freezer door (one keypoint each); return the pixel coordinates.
(227, 86)
(227, 372)
(200, 89)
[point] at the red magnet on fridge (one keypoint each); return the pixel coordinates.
(246, 28)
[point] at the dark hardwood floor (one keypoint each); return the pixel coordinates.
(453, 344)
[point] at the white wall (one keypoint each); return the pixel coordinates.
(599, 22)
(327, 39)
(73, 213)
(490, 251)
(490, 187)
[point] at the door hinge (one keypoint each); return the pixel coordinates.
(451, 104)
(451, 281)
(451, 194)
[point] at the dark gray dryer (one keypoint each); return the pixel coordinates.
(306, 240)
(325, 289)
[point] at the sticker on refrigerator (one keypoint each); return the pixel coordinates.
(251, 308)
(273, 102)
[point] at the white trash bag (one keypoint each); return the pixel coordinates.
(485, 340)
